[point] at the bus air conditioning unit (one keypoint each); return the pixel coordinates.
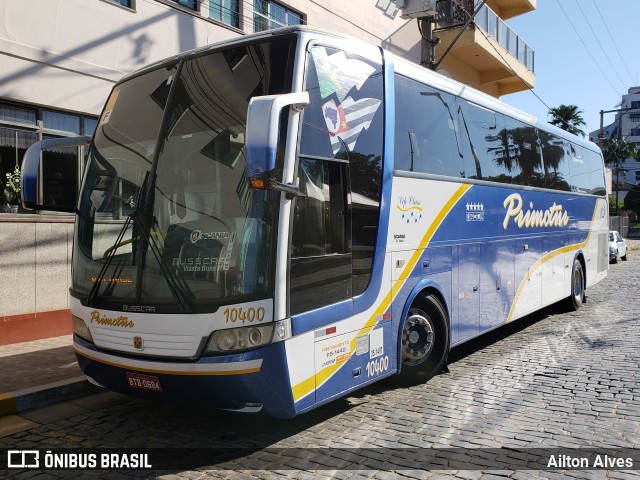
(416, 8)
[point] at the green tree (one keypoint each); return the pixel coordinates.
(615, 208)
(569, 118)
(617, 150)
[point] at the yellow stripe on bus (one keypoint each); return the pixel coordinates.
(314, 382)
(546, 258)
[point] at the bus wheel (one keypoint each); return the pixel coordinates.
(575, 300)
(425, 341)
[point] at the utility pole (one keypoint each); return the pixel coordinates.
(426, 11)
(428, 43)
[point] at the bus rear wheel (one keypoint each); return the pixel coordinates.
(425, 341)
(576, 298)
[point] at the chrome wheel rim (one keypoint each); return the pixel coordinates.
(417, 338)
(577, 284)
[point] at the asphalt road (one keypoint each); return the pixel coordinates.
(514, 401)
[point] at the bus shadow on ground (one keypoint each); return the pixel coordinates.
(503, 332)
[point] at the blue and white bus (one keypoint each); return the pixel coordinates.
(269, 223)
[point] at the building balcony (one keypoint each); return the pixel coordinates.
(495, 58)
(507, 9)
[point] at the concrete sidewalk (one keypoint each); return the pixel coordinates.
(39, 373)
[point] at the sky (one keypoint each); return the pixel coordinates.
(588, 73)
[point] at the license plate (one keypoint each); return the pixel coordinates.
(143, 382)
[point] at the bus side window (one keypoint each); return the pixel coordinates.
(580, 175)
(522, 149)
(320, 271)
(488, 152)
(556, 161)
(594, 165)
(427, 132)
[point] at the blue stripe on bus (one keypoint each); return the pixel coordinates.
(270, 386)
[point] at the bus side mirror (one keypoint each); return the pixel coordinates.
(30, 180)
(263, 126)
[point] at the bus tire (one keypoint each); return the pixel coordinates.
(576, 298)
(425, 341)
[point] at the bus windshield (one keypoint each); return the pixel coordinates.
(166, 216)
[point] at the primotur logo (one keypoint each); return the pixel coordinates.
(120, 321)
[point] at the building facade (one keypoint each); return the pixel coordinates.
(625, 126)
(59, 60)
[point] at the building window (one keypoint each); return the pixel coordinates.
(22, 127)
(191, 4)
(635, 104)
(125, 3)
(267, 15)
(61, 121)
(634, 117)
(225, 11)
(15, 114)
(13, 143)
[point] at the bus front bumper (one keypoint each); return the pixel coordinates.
(249, 382)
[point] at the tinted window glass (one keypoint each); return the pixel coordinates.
(320, 254)
(344, 120)
(520, 144)
(580, 175)
(319, 220)
(593, 161)
(486, 153)
(427, 136)
(556, 161)
(344, 116)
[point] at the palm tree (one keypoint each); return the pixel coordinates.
(569, 118)
(617, 150)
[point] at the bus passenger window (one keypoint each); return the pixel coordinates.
(594, 164)
(522, 149)
(427, 138)
(580, 176)
(556, 161)
(489, 150)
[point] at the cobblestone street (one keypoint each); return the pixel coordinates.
(554, 379)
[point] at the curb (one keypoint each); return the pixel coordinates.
(45, 395)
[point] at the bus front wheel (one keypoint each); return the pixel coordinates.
(425, 341)
(576, 298)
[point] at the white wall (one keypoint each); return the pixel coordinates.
(68, 53)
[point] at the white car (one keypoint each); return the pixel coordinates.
(617, 247)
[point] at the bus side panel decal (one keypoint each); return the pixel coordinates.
(436, 216)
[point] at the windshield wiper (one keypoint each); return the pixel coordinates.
(178, 287)
(111, 252)
(107, 263)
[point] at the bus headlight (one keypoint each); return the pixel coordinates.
(246, 338)
(81, 329)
